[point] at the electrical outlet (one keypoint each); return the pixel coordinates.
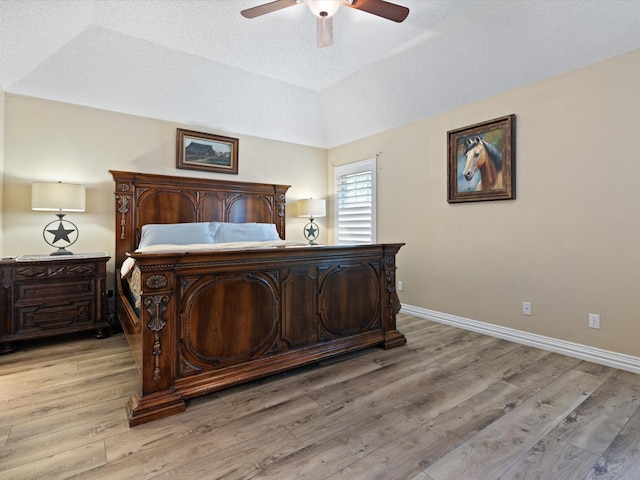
(526, 308)
(400, 285)
(594, 320)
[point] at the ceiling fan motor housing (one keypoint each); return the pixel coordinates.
(324, 8)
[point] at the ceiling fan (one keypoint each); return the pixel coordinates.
(325, 9)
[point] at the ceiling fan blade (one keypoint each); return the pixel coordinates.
(383, 9)
(325, 31)
(267, 8)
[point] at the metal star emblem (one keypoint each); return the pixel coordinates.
(312, 231)
(61, 233)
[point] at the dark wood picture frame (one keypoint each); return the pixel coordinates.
(481, 161)
(206, 152)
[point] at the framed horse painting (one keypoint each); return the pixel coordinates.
(481, 161)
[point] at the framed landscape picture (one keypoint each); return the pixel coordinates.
(206, 152)
(481, 161)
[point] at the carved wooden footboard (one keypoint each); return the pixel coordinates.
(209, 320)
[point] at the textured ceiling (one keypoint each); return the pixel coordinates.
(199, 62)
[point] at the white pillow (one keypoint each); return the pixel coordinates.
(245, 232)
(177, 233)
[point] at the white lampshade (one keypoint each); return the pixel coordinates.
(324, 8)
(57, 196)
(312, 208)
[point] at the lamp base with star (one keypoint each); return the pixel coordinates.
(311, 231)
(65, 231)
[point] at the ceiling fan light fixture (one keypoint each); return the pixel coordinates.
(324, 8)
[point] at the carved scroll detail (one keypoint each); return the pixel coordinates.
(280, 204)
(390, 277)
(156, 307)
(123, 209)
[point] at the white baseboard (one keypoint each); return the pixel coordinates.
(576, 350)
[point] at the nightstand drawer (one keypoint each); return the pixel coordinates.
(52, 315)
(37, 291)
(57, 271)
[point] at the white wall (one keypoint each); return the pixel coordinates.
(51, 141)
(567, 243)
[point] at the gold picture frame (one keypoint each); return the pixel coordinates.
(481, 161)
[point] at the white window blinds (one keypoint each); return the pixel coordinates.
(356, 202)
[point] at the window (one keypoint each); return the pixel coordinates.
(356, 202)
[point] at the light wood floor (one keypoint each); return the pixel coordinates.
(450, 405)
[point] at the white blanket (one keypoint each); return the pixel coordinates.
(129, 263)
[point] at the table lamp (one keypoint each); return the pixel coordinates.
(58, 197)
(312, 208)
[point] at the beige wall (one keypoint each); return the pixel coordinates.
(51, 141)
(1, 162)
(569, 241)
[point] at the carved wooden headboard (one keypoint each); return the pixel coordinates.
(143, 198)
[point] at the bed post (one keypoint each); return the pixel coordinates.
(279, 216)
(124, 221)
(156, 398)
(392, 337)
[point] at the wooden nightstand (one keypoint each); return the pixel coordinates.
(44, 295)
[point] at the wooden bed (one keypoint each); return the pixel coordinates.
(210, 320)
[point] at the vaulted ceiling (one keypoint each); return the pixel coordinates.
(199, 62)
